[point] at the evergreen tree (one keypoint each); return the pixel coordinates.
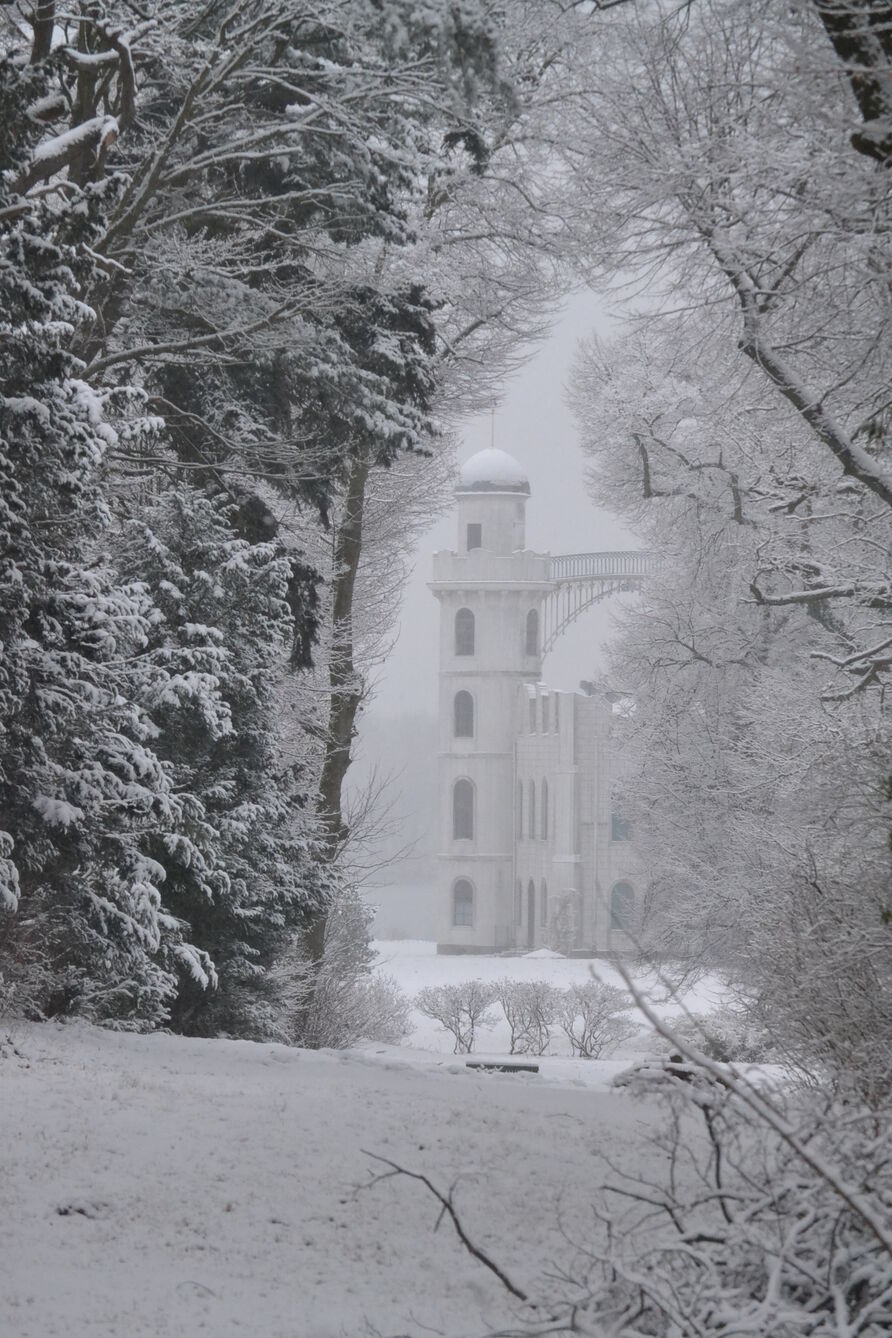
(82, 792)
(217, 651)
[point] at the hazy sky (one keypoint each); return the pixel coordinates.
(534, 425)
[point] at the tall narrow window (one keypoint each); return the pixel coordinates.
(475, 537)
(531, 914)
(544, 714)
(622, 906)
(519, 810)
(543, 904)
(531, 825)
(557, 712)
(518, 903)
(544, 811)
(463, 902)
(532, 636)
(620, 827)
(464, 632)
(463, 810)
(463, 713)
(533, 714)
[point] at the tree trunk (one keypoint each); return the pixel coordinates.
(345, 682)
(43, 24)
(861, 34)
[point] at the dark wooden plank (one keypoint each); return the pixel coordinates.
(502, 1065)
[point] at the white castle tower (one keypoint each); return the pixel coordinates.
(532, 850)
(491, 592)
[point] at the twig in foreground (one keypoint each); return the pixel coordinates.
(447, 1207)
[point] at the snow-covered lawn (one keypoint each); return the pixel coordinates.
(156, 1186)
(414, 964)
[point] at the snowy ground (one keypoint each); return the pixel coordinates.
(156, 1186)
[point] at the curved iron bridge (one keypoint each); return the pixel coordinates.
(581, 579)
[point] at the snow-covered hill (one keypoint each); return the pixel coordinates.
(156, 1186)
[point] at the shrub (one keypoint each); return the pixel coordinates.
(590, 1016)
(384, 1011)
(729, 1035)
(530, 1008)
(331, 1011)
(459, 1009)
(340, 1000)
(777, 1227)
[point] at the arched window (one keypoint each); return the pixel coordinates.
(464, 632)
(463, 715)
(531, 825)
(622, 906)
(518, 903)
(544, 811)
(463, 811)
(519, 810)
(532, 634)
(543, 904)
(462, 902)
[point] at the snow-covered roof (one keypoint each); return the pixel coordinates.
(492, 471)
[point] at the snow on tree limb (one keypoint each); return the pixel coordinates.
(764, 1109)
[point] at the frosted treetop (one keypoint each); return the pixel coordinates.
(492, 471)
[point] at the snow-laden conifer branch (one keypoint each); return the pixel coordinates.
(222, 337)
(59, 152)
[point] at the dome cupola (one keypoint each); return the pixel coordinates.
(492, 471)
(492, 493)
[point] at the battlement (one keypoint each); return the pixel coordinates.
(481, 568)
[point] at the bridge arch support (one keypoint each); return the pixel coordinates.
(579, 580)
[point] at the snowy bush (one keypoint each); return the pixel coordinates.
(386, 1010)
(347, 1010)
(340, 1000)
(530, 1008)
(729, 1035)
(459, 1009)
(591, 1017)
(779, 1226)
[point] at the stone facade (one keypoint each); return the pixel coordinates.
(531, 852)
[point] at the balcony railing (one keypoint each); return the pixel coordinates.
(585, 566)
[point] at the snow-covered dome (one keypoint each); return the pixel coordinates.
(492, 471)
